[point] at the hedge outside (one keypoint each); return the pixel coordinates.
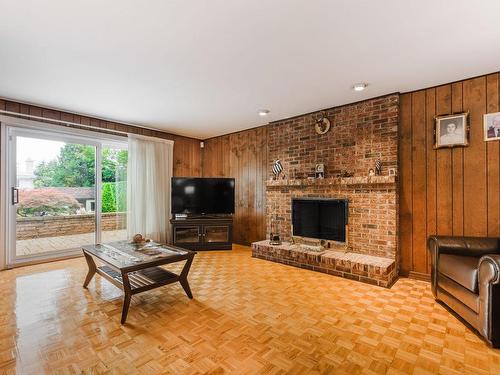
(114, 196)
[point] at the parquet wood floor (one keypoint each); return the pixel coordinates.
(248, 316)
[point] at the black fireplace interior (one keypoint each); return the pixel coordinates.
(324, 219)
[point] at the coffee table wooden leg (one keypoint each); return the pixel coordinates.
(127, 297)
(92, 269)
(126, 305)
(183, 277)
(187, 289)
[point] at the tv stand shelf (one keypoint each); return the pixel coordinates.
(203, 232)
(203, 217)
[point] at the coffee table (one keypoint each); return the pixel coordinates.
(134, 268)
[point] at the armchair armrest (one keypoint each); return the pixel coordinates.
(489, 269)
(489, 298)
(468, 246)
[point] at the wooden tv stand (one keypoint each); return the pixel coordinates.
(203, 232)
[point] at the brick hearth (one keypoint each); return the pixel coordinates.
(370, 269)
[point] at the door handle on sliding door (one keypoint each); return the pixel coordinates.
(15, 195)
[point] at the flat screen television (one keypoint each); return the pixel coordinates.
(324, 219)
(202, 196)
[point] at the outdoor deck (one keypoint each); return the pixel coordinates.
(49, 244)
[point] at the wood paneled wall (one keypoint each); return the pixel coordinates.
(242, 155)
(187, 157)
(187, 152)
(447, 191)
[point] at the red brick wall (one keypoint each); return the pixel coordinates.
(54, 226)
(360, 134)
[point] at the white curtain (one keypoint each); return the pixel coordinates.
(150, 164)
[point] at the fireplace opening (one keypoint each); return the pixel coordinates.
(324, 219)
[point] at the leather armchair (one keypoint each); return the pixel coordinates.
(465, 275)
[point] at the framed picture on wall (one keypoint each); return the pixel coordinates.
(492, 126)
(451, 131)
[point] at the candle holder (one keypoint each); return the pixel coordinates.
(274, 237)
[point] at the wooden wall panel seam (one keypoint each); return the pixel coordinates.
(426, 144)
(430, 168)
(418, 161)
(493, 163)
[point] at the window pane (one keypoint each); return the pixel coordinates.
(56, 182)
(114, 194)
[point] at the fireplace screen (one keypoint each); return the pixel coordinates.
(325, 219)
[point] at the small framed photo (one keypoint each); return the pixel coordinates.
(492, 127)
(451, 131)
(319, 171)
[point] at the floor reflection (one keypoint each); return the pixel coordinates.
(48, 307)
(38, 296)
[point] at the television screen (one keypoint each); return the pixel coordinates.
(324, 219)
(196, 195)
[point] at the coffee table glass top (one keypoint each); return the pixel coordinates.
(124, 254)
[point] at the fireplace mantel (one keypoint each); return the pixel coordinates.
(335, 181)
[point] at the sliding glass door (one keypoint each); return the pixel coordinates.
(64, 192)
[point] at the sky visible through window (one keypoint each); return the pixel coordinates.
(37, 150)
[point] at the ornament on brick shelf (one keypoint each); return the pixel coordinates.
(378, 167)
(345, 173)
(319, 171)
(277, 169)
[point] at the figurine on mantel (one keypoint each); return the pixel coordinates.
(378, 167)
(278, 169)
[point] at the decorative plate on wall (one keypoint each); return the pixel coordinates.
(322, 125)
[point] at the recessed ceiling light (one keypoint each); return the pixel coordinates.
(263, 112)
(359, 86)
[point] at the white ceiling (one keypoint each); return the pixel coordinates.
(204, 68)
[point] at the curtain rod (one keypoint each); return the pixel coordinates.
(110, 131)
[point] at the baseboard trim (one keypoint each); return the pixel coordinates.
(419, 276)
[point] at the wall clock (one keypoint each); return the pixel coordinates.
(322, 125)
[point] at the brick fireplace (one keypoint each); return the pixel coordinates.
(361, 134)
